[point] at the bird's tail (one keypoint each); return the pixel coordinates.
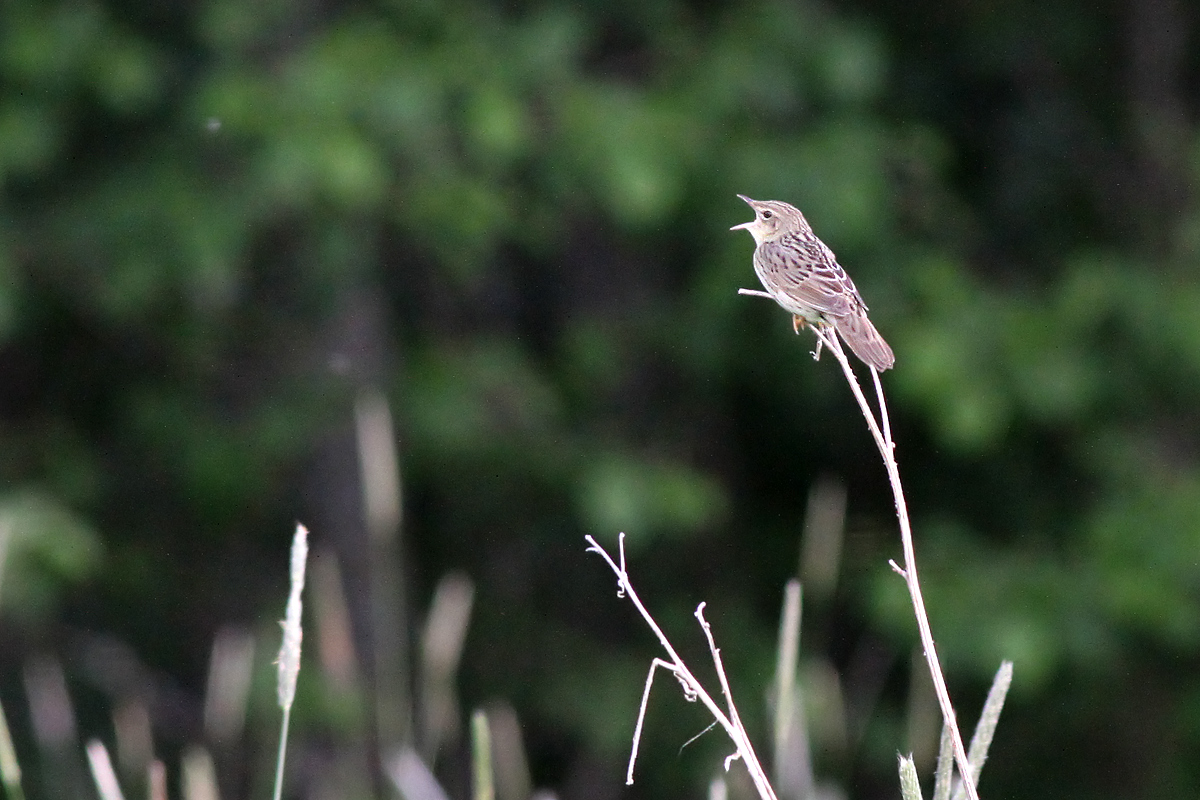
(858, 332)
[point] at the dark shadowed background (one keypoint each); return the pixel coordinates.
(248, 248)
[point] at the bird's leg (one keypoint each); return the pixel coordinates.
(797, 326)
(820, 342)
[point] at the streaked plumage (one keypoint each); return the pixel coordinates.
(803, 276)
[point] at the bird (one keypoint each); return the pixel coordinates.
(804, 277)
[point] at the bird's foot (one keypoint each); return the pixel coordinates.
(797, 323)
(816, 354)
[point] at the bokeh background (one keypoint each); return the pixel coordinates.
(256, 255)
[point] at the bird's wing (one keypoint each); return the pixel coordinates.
(808, 272)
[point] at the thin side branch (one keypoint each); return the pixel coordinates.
(742, 741)
(641, 717)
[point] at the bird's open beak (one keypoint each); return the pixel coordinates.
(750, 203)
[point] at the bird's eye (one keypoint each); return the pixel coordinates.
(767, 214)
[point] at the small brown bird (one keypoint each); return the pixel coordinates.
(803, 276)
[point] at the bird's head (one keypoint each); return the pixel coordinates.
(772, 219)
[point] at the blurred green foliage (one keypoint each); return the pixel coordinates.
(200, 203)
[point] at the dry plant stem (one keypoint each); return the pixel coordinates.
(827, 337)
(909, 572)
(733, 714)
(641, 717)
(691, 686)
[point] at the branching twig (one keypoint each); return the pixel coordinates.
(691, 686)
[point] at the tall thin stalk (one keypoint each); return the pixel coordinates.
(881, 430)
(887, 448)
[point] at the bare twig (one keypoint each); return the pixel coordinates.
(883, 440)
(691, 686)
(641, 717)
(740, 738)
